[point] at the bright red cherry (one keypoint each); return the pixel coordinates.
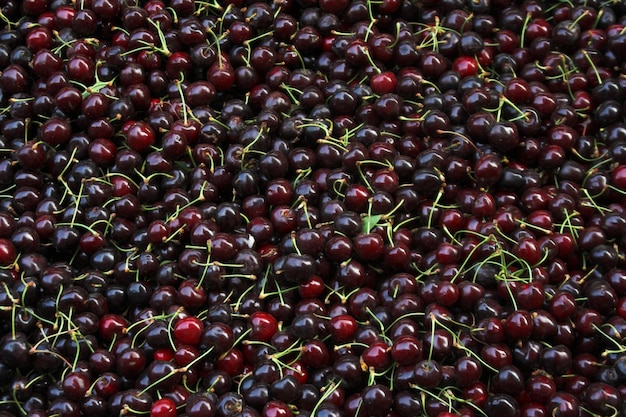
(466, 66)
(263, 326)
(384, 82)
(165, 407)
(276, 408)
(188, 331)
(164, 354)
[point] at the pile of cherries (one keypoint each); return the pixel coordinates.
(325, 208)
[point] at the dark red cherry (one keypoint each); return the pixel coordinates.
(140, 136)
(563, 404)
(55, 131)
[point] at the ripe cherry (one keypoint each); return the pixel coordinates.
(276, 408)
(55, 131)
(342, 328)
(188, 331)
(8, 253)
(112, 325)
(312, 287)
(263, 326)
(102, 151)
(406, 350)
(618, 177)
(466, 66)
(377, 356)
(384, 82)
(232, 362)
(75, 385)
(140, 136)
(164, 407)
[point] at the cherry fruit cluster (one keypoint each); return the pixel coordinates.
(325, 208)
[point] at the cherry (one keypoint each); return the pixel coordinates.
(312, 287)
(563, 404)
(466, 66)
(497, 355)
(263, 326)
(13, 79)
(556, 359)
(369, 246)
(130, 362)
(184, 355)
(8, 252)
(276, 408)
(223, 198)
(75, 385)
(140, 136)
(501, 405)
(232, 362)
(377, 356)
(467, 371)
(55, 131)
(384, 83)
(102, 151)
(428, 373)
(164, 407)
(342, 328)
(188, 331)
(112, 326)
(377, 398)
(200, 404)
(406, 350)
(503, 136)
(163, 375)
